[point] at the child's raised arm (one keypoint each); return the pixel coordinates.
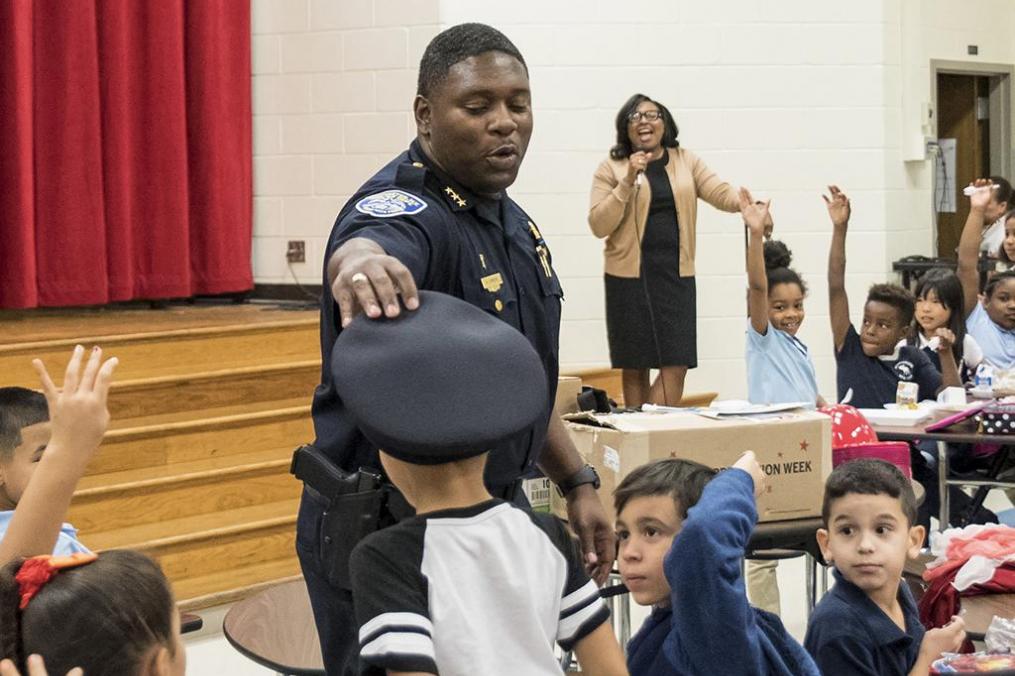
(755, 216)
(969, 245)
(838, 301)
(703, 569)
(78, 418)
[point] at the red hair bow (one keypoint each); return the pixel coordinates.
(38, 570)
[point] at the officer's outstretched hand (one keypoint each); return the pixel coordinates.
(364, 278)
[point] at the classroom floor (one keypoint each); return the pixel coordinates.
(209, 654)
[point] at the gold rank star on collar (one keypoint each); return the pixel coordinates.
(450, 192)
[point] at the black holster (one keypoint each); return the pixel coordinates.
(355, 505)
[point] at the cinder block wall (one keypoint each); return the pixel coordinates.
(782, 97)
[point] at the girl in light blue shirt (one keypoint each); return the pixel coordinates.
(779, 366)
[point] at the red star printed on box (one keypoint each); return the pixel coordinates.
(804, 445)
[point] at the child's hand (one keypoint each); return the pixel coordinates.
(946, 639)
(838, 206)
(755, 214)
(946, 339)
(749, 464)
(36, 667)
(77, 413)
(981, 198)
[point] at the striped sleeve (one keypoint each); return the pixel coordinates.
(390, 599)
(581, 607)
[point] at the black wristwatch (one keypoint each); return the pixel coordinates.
(586, 475)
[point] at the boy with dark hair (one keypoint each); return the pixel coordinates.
(41, 459)
(682, 536)
(871, 363)
(471, 584)
(24, 434)
(868, 624)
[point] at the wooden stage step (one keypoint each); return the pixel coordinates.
(216, 589)
(203, 438)
(167, 353)
(207, 406)
(222, 544)
(200, 391)
(155, 494)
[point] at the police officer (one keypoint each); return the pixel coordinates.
(437, 217)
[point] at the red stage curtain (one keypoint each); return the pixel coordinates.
(127, 150)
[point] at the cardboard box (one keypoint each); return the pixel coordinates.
(568, 389)
(794, 449)
(541, 493)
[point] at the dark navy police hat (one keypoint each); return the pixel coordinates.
(441, 383)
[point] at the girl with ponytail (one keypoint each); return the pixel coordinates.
(779, 366)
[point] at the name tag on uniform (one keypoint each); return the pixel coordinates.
(390, 203)
(492, 283)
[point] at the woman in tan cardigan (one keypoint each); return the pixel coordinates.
(644, 202)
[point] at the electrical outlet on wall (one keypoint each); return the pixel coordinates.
(296, 252)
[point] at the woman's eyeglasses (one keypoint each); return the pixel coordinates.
(648, 116)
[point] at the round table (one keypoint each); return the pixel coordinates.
(276, 629)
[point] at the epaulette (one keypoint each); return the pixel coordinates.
(411, 176)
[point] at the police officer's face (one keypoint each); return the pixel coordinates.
(477, 123)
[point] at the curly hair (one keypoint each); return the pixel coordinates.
(898, 297)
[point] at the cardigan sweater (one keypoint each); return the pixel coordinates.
(614, 203)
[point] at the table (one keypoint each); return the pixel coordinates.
(978, 611)
(961, 433)
(276, 629)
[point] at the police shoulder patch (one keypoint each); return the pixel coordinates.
(390, 203)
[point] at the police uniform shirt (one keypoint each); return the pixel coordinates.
(485, 589)
(486, 251)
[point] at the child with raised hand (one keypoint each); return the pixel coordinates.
(992, 321)
(682, 536)
(940, 310)
(1006, 254)
(108, 614)
(779, 367)
(42, 490)
(868, 623)
(870, 363)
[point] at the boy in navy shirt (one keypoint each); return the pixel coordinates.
(869, 362)
(681, 545)
(868, 624)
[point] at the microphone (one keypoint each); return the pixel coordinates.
(640, 174)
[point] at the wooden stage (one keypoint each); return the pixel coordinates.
(208, 403)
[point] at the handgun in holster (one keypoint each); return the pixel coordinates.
(356, 504)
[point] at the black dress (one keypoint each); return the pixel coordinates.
(651, 320)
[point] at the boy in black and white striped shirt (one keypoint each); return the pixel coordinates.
(471, 584)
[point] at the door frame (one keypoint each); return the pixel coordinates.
(1002, 109)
